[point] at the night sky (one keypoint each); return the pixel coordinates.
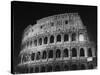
(26, 13)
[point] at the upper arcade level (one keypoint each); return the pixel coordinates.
(60, 22)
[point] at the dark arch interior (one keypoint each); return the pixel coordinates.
(82, 67)
(35, 42)
(90, 66)
(42, 69)
(36, 69)
(50, 54)
(66, 52)
(58, 53)
(66, 37)
(66, 67)
(82, 53)
(40, 41)
(52, 39)
(45, 40)
(74, 52)
(44, 55)
(73, 37)
(49, 68)
(57, 68)
(31, 70)
(58, 38)
(32, 56)
(38, 56)
(74, 67)
(89, 52)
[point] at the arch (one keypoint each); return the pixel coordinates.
(43, 69)
(50, 55)
(57, 68)
(52, 39)
(82, 53)
(82, 66)
(66, 67)
(73, 36)
(25, 58)
(30, 42)
(38, 56)
(35, 42)
(58, 53)
(49, 68)
(44, 55)
(81, 37)
(36, 69)
(45, 40)
(40, 41)
(65, 37)
(74, 67)
(59, 38)
(33, 56)
(90, 66)
(89, 52)
(74, 52)
(66, 54)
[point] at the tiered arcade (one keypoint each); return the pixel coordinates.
(57, 43)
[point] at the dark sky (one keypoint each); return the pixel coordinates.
(26, 13)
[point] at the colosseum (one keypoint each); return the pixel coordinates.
(57, 43)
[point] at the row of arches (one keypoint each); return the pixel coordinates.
(65, 67)
(45, 40)
(58, 54)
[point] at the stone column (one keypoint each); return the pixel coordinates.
(21, 59)
(69, 37)
(78, 52)
(86, 48)
(55, 38)
(77, 36)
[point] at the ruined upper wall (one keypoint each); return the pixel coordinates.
(66, 21)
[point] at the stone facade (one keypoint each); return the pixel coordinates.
(57, 43)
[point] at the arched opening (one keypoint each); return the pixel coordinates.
(28, 43)
(35, 42)
(74, 67)
(73, 37)
(44, 55)
(81, 37)
(66, 37)
(57, 68)
(89, 52)
(25, 58)
(42, 69)
(58, 53)
(32, 56)
(90, 66)
(82, 53)
(49, 68)
(65, 52)
(38, 56)
(45, 40)
(82, 67)
(58, 38)
(50, 55)
(52, 39)
(40, 41)
(36, 69)
(74, 52)
(66, 67)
